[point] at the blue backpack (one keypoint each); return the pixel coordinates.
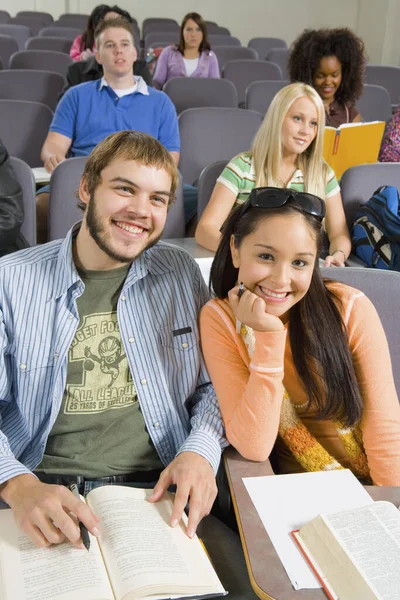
(376, 230)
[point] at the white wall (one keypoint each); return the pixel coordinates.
(376, 21)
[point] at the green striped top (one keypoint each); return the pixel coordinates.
(239, 176)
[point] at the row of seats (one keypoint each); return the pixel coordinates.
(357, 185)
(247, 84)
(220, 125)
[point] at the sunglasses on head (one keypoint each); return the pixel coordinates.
(272, 197)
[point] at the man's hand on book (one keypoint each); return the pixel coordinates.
(194, 478)
(42, 511)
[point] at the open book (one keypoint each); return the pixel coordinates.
(355, 553)
(137, 555)
(352, 144)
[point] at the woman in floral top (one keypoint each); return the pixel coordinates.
(390, 149)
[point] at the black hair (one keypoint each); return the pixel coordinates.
(96, 16)
(198, 19)
(325, 368)
(314, 44)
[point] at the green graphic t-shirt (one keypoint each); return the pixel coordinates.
(100, 429)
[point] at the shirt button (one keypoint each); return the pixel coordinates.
(22, 366)
(143, 381)
(156, 424)
(56, 355)
(185, 345)
(131, 340)
(70, 317)
(123, 298)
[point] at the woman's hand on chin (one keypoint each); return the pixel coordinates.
(250, 310)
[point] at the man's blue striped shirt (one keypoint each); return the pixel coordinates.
(162, 294)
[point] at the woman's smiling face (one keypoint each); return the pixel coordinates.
(276, 261)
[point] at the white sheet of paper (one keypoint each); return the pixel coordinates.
(286, 502)
(41, 175)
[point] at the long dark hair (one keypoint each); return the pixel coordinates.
(97, 15)
(198, 19)
(317, 334)
(314, 44)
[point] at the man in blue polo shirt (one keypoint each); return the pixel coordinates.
(89, 112)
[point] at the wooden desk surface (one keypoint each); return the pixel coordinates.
(267, 575)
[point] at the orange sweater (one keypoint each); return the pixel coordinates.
(250, 393)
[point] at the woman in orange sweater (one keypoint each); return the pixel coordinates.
(300, 365)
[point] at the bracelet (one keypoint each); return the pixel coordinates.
(344, 253)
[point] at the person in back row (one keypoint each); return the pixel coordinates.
(333, 62)
(286, 153)
(192, 57)
(101, 375)
(84, 45)
(91, 111)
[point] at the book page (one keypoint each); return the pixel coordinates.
(41, 175)
(143, 554)
(370, 536)
(287, 502)
(60, 572)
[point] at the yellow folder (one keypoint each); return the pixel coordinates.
(352, 144)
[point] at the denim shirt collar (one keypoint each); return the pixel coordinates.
(153, 261)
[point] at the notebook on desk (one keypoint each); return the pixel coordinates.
(287, 502)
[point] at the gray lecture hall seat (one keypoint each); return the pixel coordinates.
(152, 20)
(42, 60)
(214, 29)
(263, 44)
(35, 24)
(64, 210)
(175, 224)
(4, 16)
(170, 27)
(72, 20)
(226, 53)
(157, 37)
(223, 40)
(259, 94)
(210, 134)
(374, 104)
(192, 92)
(69, 33)
(358, 184)
(24, 176)
(36, 86)
(386, 76)
(24, 126)
(20, 33)
(243, 71)
(207, 181)
(279, 56)
(8, 47)
(55, 44)
(44, 16)
(381, 287)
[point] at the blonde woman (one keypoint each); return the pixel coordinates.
(286, 153)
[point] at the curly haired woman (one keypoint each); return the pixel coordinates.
(333, 62)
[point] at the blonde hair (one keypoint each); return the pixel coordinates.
(267, 145)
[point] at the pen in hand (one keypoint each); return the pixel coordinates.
(240, 294)
(84, 532)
